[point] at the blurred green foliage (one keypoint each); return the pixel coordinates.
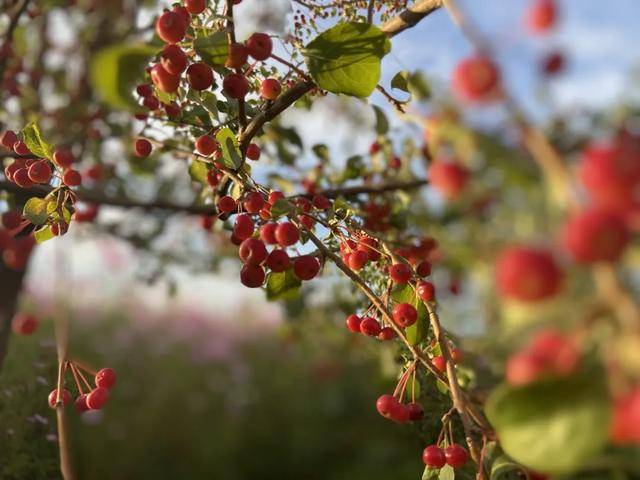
(289, 406)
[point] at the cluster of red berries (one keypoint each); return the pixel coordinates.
(393, 409)
(96, 397)
(599, 232)
(171, 27)
(548, 353)
(253, 241)
(15, 249)
(28, 170)
(454, 455)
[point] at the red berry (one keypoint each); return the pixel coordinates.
(270, 88)
(195, 7)
(24, 324)
(353, 323)
(387, 333)
(424, 268)
(243, 227)
(21, 178)
(144, 90)
(457, 355)
(152, 103)
(274, 197)
(235, 86)
(105, 378)
(142, 147)
(596, 235)
(164, 81)
(171, 27)
(173, 60)
(81, 403)
(21, 148)
(252, 276)
(426, 291)
(252, 251)
(63, 158)
(253, 202)
(278, 261)
(268, 233)
(400, 413)
(553, 63)
(541, 16)
(611, 174)
(449, 178)
(97, 398)
(527, 274)
(357, 260)
(238, 56)
(321, 202)
(259, 46)
(173, 109)
(625, 425)
(8, 139)
(404, 315)
(183, 15)
(416, 412)
(65, 397)
(11, 219)
(227, 204)
(434, 457)
(253, 152)
(523, 368)
(400, 273)
(305, 267)
(206, 145)
(371, 247)
(456, 455)
(72, 178)
(439, 363)
(476, 79)
(200, 76)
(287, 234)
(40, 172)
(386, 405)
(370, 327)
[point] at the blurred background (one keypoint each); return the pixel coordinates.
(214, 381)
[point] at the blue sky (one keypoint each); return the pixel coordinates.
(600, 40)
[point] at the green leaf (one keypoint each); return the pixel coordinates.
(417, 332)
(503, 468)
(198, 171)
(35, 210)
(213, 49)
(33, 139)
(43, 234)
(321, 151)
(210, 103)
(445, 473)
(419, 87)
(116, 70)
(552, 426)
(382, 124)
(282, 285)
(401, 81)
(231, 156)
(282, 207)
(346, 58)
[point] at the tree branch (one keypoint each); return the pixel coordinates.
(411, 16)
(100, 198)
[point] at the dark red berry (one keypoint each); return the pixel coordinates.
(306, 267)
(252, 276)
(434, 457)
(252, 251)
